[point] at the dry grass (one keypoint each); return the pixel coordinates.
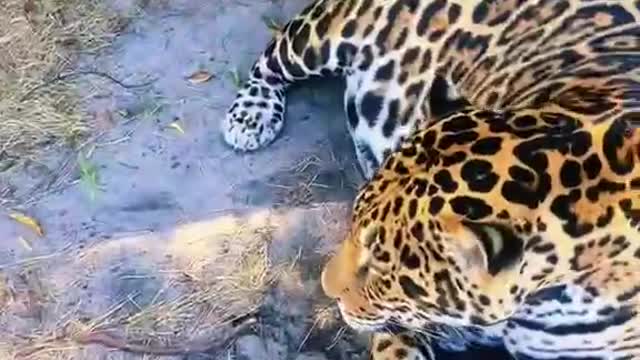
(39, 40)
(214, 295)
(218, 273)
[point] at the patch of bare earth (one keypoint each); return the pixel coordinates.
(129, 230)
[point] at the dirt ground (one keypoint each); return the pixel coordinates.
(161, 235)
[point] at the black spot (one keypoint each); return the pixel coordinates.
(409, 259)
(521, 175)
(301, 39)
(429, 139)
(382, 36)
(325, 52)
(459, 123)
(415, 89)
(385, 72)
(562, 204)
(401, 169)
(413, 208)
(479, 175)
(397, 239)
(402, 39)
(410, 56)
(580, 143)
(435, 205)
(417, 230)
(367, 58)
(346, 52)
(476, 320)
(409, 151)
(392, 118)
(529, 152)
(385, 211)
(401, 353)
(577, 230)
(440, 103)
(461, 39)
(592, 166)
(272, 62)
(310, 59)
(364, 7)
(487, 146)
(368, 30)
(425, 19)
(397, 205)
(404, 76)
(383, 345)
(481, 12)
(525, 121)
(542, 248)
(454, 13)
(472, 208)
(462, 138)
(455, 158)
(410, 288)
(370, 107)
(349, 28)
(383, 257)
(604, 186)
(570, 174)
(425, 62)
(484, 300)
(420, 187)
(445, 181)
(612, 142)
(492, 99)
(322, 27)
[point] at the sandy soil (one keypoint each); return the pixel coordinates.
(174, 219)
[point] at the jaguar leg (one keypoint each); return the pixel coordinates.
(256, 117)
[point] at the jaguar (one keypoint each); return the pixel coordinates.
(498, 145)
(514, 228)
(407, 63)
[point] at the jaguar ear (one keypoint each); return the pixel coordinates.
(493, 247)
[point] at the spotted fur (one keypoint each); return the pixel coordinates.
(408, 63)
(516, 227)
